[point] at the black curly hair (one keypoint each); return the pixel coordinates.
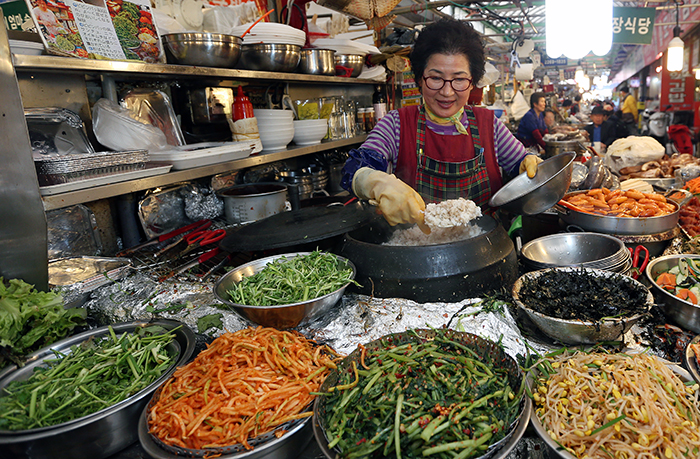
(449, 36)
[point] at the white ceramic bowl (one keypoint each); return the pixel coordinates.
(308, 133)
(273, 113)
(275, 139)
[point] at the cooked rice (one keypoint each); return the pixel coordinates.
(450, 213)
(413, 236)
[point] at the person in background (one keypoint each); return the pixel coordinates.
(532, 126)
(576, 105)
(443, 149)
(630, 115)
(600, 131)
(613, 118)
(566, 106)
(549, 119)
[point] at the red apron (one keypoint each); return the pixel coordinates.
(441, 167)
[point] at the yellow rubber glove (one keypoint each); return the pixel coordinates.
(529, 164)
(398, 202)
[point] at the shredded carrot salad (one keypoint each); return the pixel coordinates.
(243, 385)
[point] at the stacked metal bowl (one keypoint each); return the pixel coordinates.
(587, 250)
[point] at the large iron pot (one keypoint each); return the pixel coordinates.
(618, 225)
(444, 272)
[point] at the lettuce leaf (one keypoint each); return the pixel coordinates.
(30, 319)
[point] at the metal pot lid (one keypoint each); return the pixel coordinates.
(301, 226)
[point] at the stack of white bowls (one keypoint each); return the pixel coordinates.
(310, 132)
(276, 127)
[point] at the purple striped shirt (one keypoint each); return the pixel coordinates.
(385, 139)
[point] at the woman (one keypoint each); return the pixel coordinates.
(47, 18)
(442, 149)
(532, 126)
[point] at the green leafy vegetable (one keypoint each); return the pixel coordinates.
(93, 376)
(293, 280)
(209, 321)
(30, 319)
(436, 398)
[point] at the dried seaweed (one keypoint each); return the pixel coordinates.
(582, 295)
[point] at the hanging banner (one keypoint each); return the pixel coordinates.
(632, 25)
(677, 90)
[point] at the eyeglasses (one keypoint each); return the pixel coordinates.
(458, 84)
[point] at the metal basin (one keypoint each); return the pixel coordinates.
(554, 148)
(282, 316)
(203, 49)
(682, 312)
(97, 435)
(580, 331)
(317, 61)
(270, 57)
(530, 196)
(349, 62)
(592, 250)
(618, 225)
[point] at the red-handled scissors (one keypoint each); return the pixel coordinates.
(202, 238)
(637, 268)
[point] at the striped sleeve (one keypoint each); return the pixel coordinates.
(509, 151)
(385, 137)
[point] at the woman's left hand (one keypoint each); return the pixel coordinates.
(529, 165)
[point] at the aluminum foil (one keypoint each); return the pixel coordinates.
(202, 203)
(357, 319)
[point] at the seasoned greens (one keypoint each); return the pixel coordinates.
(94, 376)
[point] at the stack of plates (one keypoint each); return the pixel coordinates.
(276, 128)
(270, 33)
(344, 46)
(588, 250)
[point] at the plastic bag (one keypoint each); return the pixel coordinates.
(491, 75)
(519, 106)
(633, 151)
(688, 172)
(167, 24)
(221, 19)
(116, 128)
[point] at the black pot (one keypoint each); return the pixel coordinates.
(443, 273)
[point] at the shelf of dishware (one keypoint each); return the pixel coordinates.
(70, 198)
(44, 63)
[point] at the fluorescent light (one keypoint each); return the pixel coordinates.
(560, 27)
(674, 58)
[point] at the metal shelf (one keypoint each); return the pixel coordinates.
(115, 189)
(53, 64)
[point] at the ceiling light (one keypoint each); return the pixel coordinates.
(561, 28)
(697, 73)
(674, 56)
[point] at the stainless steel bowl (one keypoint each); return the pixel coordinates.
(531, 196)
(317, 61)
(349, 61)
(97, 435)
(591, 250)
(282, 316)
(203, 49)
(555, 449)
(270, 57)
(684, 313)
(690, 358)
(579, 331)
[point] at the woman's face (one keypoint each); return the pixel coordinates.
(541, 105)
(445, 102)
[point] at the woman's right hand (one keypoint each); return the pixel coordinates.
(398, 202)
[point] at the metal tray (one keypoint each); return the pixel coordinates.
(97, 435)
(480, 345)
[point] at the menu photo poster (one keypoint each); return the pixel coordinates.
(98, 29)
